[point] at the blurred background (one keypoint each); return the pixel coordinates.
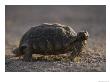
(20, 18)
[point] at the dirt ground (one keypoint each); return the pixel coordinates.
(91, 18)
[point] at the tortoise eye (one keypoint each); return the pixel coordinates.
(86, 33)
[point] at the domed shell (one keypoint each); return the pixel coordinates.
(48, 37)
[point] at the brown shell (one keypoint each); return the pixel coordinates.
(48, 38)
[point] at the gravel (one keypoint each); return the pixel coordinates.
(89, 62)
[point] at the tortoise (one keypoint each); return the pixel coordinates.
(51, 39)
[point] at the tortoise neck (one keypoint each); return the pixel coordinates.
(77, 42)
(79, 39)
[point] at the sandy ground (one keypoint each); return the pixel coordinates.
(92, 62)
(92, 18)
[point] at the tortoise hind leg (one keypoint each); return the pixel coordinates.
(27, 55)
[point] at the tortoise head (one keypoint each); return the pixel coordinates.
(17, 52)
(83, 35)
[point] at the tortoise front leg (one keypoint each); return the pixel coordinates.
(77, 48)
(76, 51)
